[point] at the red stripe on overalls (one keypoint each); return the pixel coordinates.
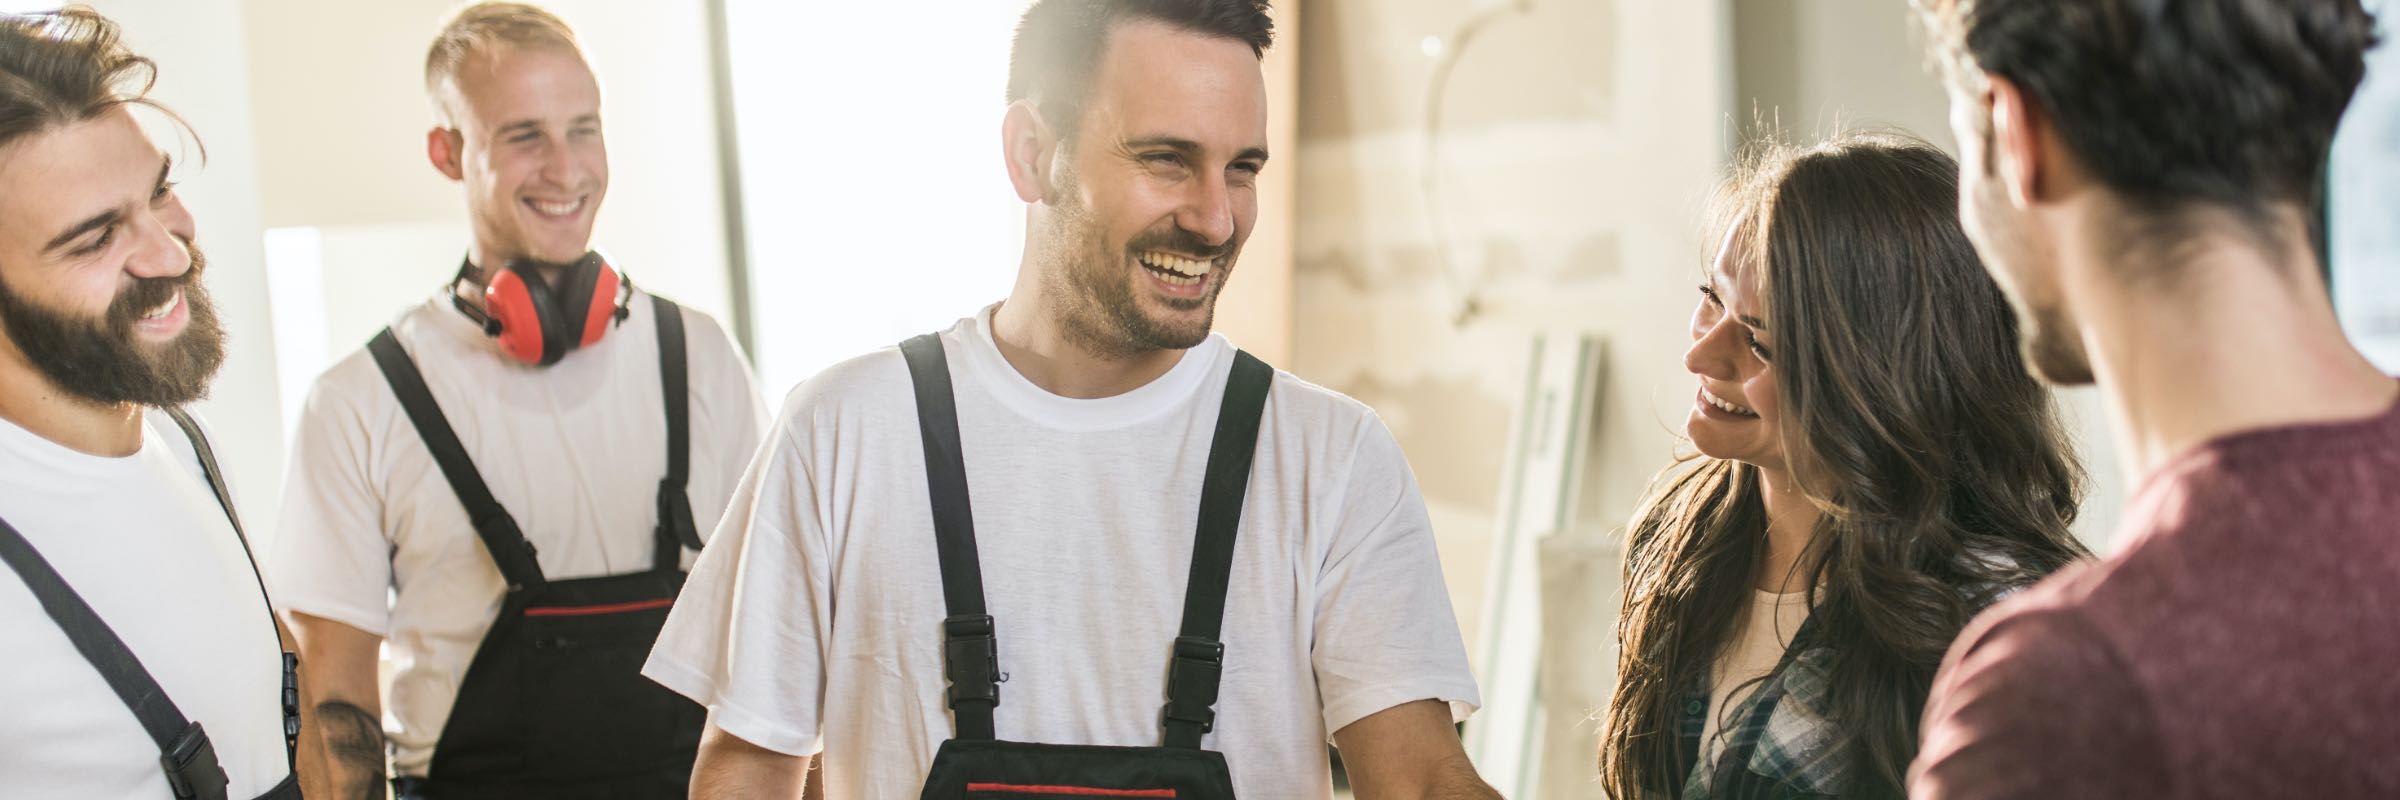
(1081, 791)
(613, 608)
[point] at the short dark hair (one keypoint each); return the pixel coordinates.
(1059, 43)
(63, 67)
(2231, 103)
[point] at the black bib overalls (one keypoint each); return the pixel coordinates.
(976, 763)
(554, 703)
(185, 753)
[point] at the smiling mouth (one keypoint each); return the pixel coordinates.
(1174, 269)
(1723, 405)
(558, 208)
(163, 309)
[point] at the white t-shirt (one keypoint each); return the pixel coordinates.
(814, 621)
(145, 543)
(374, 537)
(1767, 630)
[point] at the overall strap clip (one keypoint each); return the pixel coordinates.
(1192, 680)
(972, 660)
(191, 766)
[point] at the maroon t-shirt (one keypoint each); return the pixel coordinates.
(2243, 643)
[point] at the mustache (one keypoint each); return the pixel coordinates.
(1178, 240)
(149, 293)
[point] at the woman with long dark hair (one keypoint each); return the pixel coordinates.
(1875, 466)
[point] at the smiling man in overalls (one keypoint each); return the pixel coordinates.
(1179, 570)
(504, 487)
(142, 660)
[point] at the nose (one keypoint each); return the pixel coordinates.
(1208, 210)
(1714, 347)
(561, 167)
(163, 238)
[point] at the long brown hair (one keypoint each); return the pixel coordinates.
(1908, 419)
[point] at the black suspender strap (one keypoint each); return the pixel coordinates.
(291, 662)
(675, 526)
(1199, 660)
(186, 755)
(499, 532)
(184, 750)
(216, 478)
(970, 650)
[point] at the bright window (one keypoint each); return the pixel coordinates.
(873, 190)
(2364, 194)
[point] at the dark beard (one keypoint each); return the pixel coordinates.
(1096, 293)
(101, 362)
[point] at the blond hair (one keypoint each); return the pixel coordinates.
(479, 28)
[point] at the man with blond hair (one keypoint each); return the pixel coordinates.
(505, 487)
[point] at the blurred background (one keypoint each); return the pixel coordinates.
(1481, 220)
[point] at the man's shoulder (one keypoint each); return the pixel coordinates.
(350, 387)
(698, 325)
(1293, 400)
(2038, 680)
(2063, 612)
(869, 381)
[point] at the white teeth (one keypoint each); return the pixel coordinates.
(1183, 267)
(557, 209)
(163, 308)
(1725, 406)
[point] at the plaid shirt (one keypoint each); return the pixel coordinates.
(1779, 744)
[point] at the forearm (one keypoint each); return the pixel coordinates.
(1457, 780)
(341, 710)
(349, 749)
(730, 767)
(1409, 752)
(1449, 779)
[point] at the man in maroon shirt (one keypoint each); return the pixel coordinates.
(2141, 177)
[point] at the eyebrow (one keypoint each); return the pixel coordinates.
(1188, 146)
(104, 218)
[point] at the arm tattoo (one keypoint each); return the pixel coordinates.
(354, 746)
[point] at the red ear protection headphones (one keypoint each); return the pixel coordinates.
(538, 323)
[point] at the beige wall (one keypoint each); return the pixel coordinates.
(341, 118)
(1578, 141)
(1821, 65)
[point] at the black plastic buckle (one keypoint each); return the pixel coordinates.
(191, 765)
(1192, 681)
(973, 659)
(675, 515)
(291, 703)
